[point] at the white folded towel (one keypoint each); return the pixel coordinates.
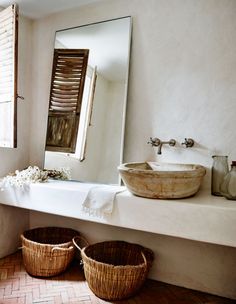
(100, 200)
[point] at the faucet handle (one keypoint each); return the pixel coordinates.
(155, 142)
(188, 142)
(172, 142)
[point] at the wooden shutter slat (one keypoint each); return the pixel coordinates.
(5, 68)
(6, 30)
(6, 19)
(61, 108)
(5, 77)
(72, 74)
(64, 96)
(6, 15)
(6, 97)
(64, 104)
(5, 88)
(6, 62)
(6, 84)
(5, 80)
(66, 82)
(70, 59)
(5, 40)
(64, 109)
(6, 59)
(6, 36)
(74, 63)
(6, 55)
(65, 86)
(66, 78)
(6, 46)
(8, 74)
(6, 51)
(4, 92)
(57, 91)
(6, 24)
(63, 100)
(7, 11)
(70, 66)
(65, 69)
(62, 64)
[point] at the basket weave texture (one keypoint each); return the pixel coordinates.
(47, 251)
(116, 270)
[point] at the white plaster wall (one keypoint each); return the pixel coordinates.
(12, 221)
(183, 80)
(182, 84)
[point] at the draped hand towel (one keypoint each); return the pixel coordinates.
(100, 200)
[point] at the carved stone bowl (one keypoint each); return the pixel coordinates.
(162, 180)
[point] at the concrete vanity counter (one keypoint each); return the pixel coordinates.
(202, 218)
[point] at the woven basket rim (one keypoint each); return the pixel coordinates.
(68, 243)
(46, 244)
(115, 267)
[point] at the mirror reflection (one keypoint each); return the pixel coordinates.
(88, 99)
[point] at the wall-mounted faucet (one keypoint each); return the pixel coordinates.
(156, 142)
(188, 142)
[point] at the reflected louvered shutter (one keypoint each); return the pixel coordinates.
(8, 75)
(68, 77)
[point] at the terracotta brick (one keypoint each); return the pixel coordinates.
(18, 287)
(21, 300)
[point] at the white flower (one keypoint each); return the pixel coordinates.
(32, 175)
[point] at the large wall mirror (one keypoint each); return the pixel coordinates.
(87, 102)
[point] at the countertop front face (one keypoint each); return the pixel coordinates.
(203, 217)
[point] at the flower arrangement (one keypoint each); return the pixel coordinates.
(33, 175)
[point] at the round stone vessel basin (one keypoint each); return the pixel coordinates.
(162, 180)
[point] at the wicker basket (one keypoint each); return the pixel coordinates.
(115, 270)
(47, 251)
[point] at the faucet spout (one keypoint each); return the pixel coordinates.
(159, 148)
(156, 142)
